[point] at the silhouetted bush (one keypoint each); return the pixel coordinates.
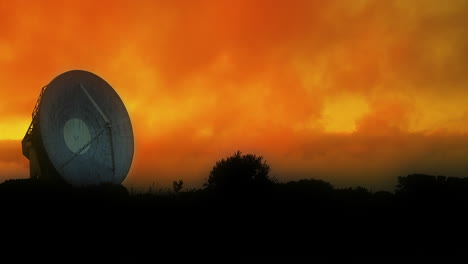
(432, 190)
(177, 185)
(419, 183)
(304, 189)
(239, 174)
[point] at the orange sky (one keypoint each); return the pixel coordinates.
(352, 92)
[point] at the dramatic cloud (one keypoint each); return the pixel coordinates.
(355, 92)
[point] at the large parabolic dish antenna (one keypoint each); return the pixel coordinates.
(80, 132)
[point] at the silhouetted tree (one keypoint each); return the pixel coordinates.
(423, 186)
(305, 189)
(432, 190)
(239, 173)
(354, 196)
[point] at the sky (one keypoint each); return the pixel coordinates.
(351, 92)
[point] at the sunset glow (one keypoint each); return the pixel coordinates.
(352, 92)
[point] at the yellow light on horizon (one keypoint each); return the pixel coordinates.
(13, 129)
(341, 112)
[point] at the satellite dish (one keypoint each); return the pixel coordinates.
(80, 132)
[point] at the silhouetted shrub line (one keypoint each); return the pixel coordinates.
(243, 210)
(425, 215)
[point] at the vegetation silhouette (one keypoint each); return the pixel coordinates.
(425, 214)
(239, 174)
(177, 186)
